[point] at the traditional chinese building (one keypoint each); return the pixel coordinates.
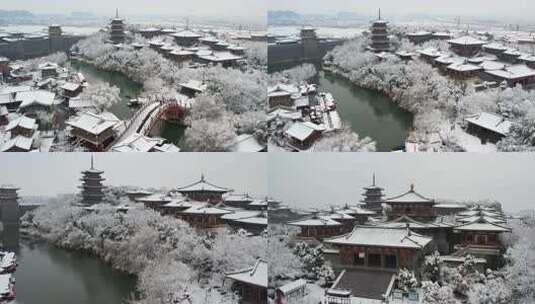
(203, 191)
(318, 227)
(254, 222)
(92, 188)
(439, 231)
(411, 203)
(94, 130)
(379, 35)
(117, 29)
(373, 197)
(251, 283)
(203, 215)
(10, 214)
(186, 37)
(360, 215)
(381, 248)
(481, 238)
(466, 46)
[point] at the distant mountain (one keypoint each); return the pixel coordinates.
(15, 14)
(282, 15)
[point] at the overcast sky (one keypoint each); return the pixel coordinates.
(316, 180)
(496, 8)
(52, 173)
(219, 8)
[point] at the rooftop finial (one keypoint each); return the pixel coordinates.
(116, 13)
(92, 167)
(379, 13)
(202, 177)
(412, 186)
(373, 179)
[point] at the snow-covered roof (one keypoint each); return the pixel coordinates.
(70, 86)
(241, 214)
(246, 143)
(406, 221)
(491, 122)
(289, 287)
(21, 142)
(48, 65)
(79, 103)
(202, 185)
(300, 131)
(419, 33)
(195, 85)
(156, 197)
(482, 224)
(6, 98)
(513, 72)
(136, 143)
(410, 196)
(93, 123)
(382, 237)
(256, 275)
(450, 205)
(23, 122)
(464, 67)
(489, 219)
(205, 209)
(466, 40)
(186, 34)
(430, 52)
(219, 56)
(495, 46)
(480, 212)
(282, 89)
(237, 197)
(3, 111)
(256, 220)
(315, 221)
(5, 282)
(14, 89)
(285, 114)
(36, 97)
(492, 65)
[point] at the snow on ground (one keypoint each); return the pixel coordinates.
(468, 142)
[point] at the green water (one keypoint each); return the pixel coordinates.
(129, 89)
(49, 275)
(369, 112)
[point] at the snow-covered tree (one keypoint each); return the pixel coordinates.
(102, 95)
(344, 140)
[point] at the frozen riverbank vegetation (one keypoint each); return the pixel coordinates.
(513, 283)
(240, 93)
(173, 262)
(439, 103)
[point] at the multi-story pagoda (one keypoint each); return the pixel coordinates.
(379, 35)
(92, 186)
(373, 197)
(117, 29)
(10, 213)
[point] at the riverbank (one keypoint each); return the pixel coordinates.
(170, 258)
(369, 112)
(50, 275)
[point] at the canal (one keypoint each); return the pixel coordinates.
(370, 113)
(129, 89)
(49, 275)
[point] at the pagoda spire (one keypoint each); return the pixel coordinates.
(116, 13)
(373, 179)
(92, 162)
(379, 13)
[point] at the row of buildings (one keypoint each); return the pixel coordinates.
(24, 45)
(368, 243)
